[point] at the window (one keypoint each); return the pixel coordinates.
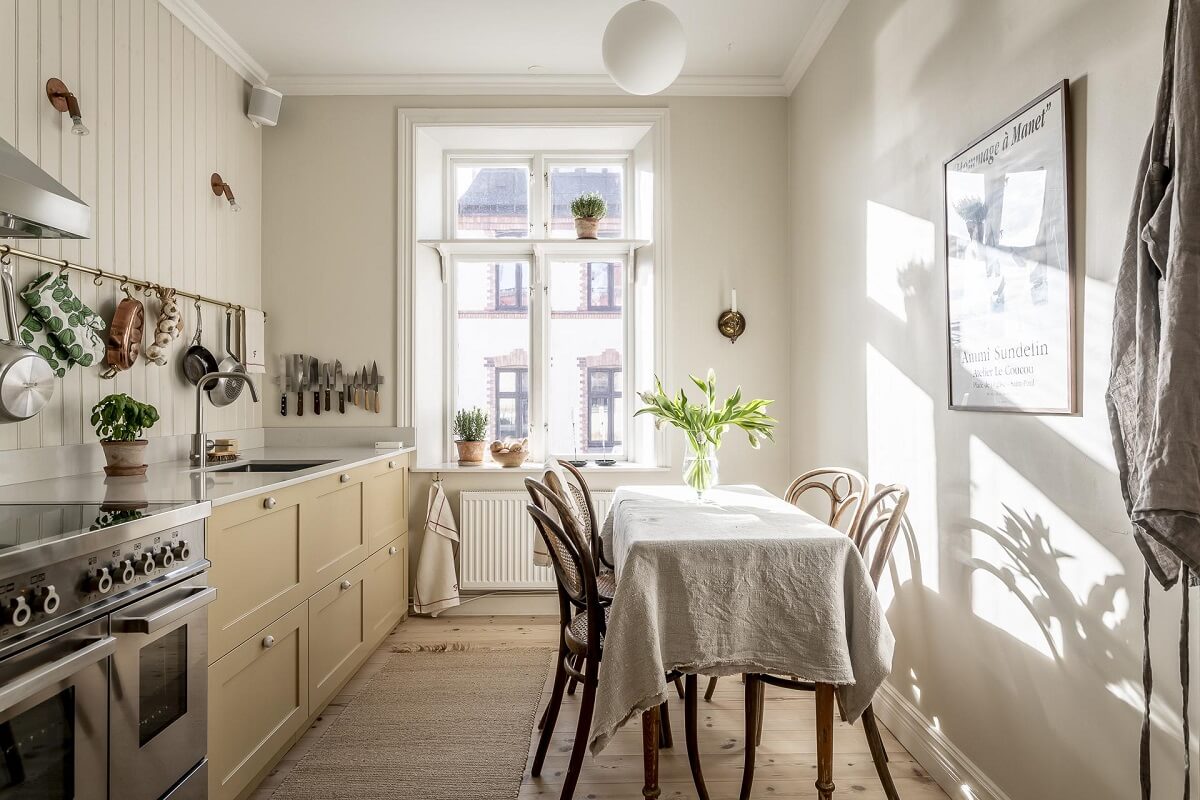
(604, 415)
(509, 290)
(604, 286)
(511, 402)
(568, 181)
(491, 200)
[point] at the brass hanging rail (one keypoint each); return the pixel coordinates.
(99, 274)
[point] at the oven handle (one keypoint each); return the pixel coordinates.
(34, 681)
(152, 623)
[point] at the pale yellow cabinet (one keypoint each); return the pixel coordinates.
(255, 549)
(258, 700)
(331, 527)
(385, 502)
(385, 589)
(338, 641)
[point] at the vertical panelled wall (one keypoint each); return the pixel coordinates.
(164, 112)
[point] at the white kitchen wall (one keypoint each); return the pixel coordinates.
(1016, 600)
(164, 112)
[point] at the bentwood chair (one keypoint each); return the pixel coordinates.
(842, 488)
(581, 643)
(578, 496)
(881, 516)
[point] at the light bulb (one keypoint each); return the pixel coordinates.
(233, 206)
(79, 129)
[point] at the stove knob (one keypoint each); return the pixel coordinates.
(182, 551)
(100, 581)
(18, 611)
(47, 599)
(124, 570)
(146, 564)
(163, 557)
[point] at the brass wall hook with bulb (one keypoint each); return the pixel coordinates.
(732, 323)
(221, 188)
(67, 103)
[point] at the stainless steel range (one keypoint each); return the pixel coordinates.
(103, 651)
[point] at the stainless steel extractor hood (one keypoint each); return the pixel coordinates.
(35, 206)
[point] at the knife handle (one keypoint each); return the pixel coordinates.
(299, 404)
(328, 401)
(376, 399)
(317, 402)
(342, 401)
(283, 404)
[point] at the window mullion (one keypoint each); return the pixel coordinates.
(539, 357)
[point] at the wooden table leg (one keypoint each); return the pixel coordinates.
(650, 752)
(825, 741)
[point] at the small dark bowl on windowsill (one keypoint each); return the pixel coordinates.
(577, 462)
(605, 462)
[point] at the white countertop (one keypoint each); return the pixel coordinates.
(180, 482)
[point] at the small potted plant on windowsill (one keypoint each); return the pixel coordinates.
(469, 429)
(588, 209)
(119, 421)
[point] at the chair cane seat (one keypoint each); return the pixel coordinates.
(577, 631)
(606, 585)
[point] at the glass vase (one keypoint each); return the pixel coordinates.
(700, 466)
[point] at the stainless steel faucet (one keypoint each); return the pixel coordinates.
(199, 454)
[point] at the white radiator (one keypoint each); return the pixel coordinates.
(496, 542)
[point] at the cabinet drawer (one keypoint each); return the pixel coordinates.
(258, 700)
(385, 502)
(385, 589)
(336, 641)
(255, 549)
(332, 535)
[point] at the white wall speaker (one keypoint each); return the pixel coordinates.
(264, 106)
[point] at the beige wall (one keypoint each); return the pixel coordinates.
(164, 113)
(1016, 601)
(329, 248)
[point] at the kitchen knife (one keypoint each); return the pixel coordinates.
(340, 380)
(285, 382)
(375, 384)
(366, 388)
(301, 378)
(327, 383)
(314, 381)
(352, 388)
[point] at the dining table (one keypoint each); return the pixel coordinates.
(737, 581)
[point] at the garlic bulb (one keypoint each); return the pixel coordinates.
(167, 329)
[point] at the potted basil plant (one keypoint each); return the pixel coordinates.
(469, 429)
(588, 209)
(119, 421)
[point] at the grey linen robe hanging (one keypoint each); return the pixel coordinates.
(1154, 389)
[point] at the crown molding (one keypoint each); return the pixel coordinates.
(814, 39)
(206, 29)
(467, 84)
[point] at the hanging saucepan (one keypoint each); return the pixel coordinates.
(197, 360)
(26, 380)
(227, 390)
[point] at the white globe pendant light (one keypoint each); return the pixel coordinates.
(644, 47)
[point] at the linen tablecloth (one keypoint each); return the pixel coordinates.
(743, 582)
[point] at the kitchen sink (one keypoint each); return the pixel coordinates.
(271, 466)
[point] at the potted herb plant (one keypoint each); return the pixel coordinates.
(588, 209)
(119, 421)
(469, 429)
(704, 424)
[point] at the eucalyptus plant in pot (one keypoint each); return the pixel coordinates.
(704, 424)
(469, 429)
(119, 421)
(588, 209)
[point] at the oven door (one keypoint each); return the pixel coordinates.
(54, 718)
(159, 714)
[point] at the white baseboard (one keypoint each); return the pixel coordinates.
(505, 604)
(958, 775)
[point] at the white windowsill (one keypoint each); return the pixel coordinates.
(532, 467)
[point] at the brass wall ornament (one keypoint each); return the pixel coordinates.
(731, 324)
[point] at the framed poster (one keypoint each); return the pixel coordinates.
(1010, 284)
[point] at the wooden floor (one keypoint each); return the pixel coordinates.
(786, 765)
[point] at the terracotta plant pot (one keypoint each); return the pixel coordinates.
(586, 227)
(470, 454)
(125, 458)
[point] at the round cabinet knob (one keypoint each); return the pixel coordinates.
(47, 600)
(392, 550)
(18, 611)
(345, 585)
(125, 571)
(164, 558)
(146, 563)
(268, 642)
(344, 477)
(100, 581)
(391, 465)
(269, 503)
(182, 551)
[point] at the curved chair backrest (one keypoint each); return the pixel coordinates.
(553, 533)
(882, 517)
(582, 495)
(572, 566)
(844, 488)
(579, 528)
